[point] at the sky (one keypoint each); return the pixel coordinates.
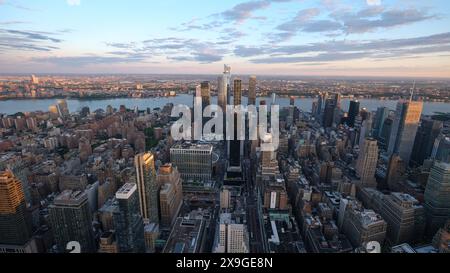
(394, 38)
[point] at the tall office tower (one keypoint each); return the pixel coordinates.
(353, 112)
(365, 131)
(237, 92)
(206, 94)
(381, 115)
(252, 90)
(71, 220)
(147, 186)
(437, 197)
(367, 163)
(395, 172)
(426, 135)
(404, 215)
(441, 149)
(128, 222)
(386, 132)
(194, 161)
(34, 79)
(63, 108)
(170, 195)
(328, 113)
(404, 128)
(227, 78)
(232, 236)
(15, 223)
(222, 92)
(235, 144)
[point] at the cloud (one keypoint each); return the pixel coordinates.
(346, 21)
(85, 60)
(348, 50)
(177, 49)
(373, 2)
(74, 2)
(11, 39)
(374, 18)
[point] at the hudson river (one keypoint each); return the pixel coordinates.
(14, 106)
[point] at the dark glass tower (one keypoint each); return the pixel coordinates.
(128, 221)
(235, 144)
(426, 135)
(71, 220)
(353, 112)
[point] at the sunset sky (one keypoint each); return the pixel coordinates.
(273, 37)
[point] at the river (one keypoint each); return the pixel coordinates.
(14, 106)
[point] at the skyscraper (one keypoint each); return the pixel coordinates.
(353, 112)
(71, 220)
(227, 78)
(367, 162)
(426, 136)
(147, 186)
(63, 108)
(128, 221)
(170, 195)
(381, 115)
(206, 94)
(235, 144)
(252, 90)
(15, 224)
(194, 162)
(404, 128)
(328, 114)
(222, 92)
(437, 197)
(441, 149)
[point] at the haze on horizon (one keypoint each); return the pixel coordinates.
(382, 38)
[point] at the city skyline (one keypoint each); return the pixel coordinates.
(262, 37)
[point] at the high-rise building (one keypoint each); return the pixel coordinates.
(63, 108)
(71, 220)
(367, 162)
(404, 128)
(227, 78)
(128, 222)
(206, 94)
(437, 197)
(232, 236)
(170, 195)
(147, 186)
(441, 149)
(194, 161)
(15, 223)
(404, 216)
(353, 112)
(222, 84)
(34, 79)
(108, 243)
(328, 114)
(395, 172)
(252, 90)
(426, 135)
(235, 144)
(381, 115)
(363, 226)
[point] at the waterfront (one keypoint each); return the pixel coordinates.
(13, 106)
